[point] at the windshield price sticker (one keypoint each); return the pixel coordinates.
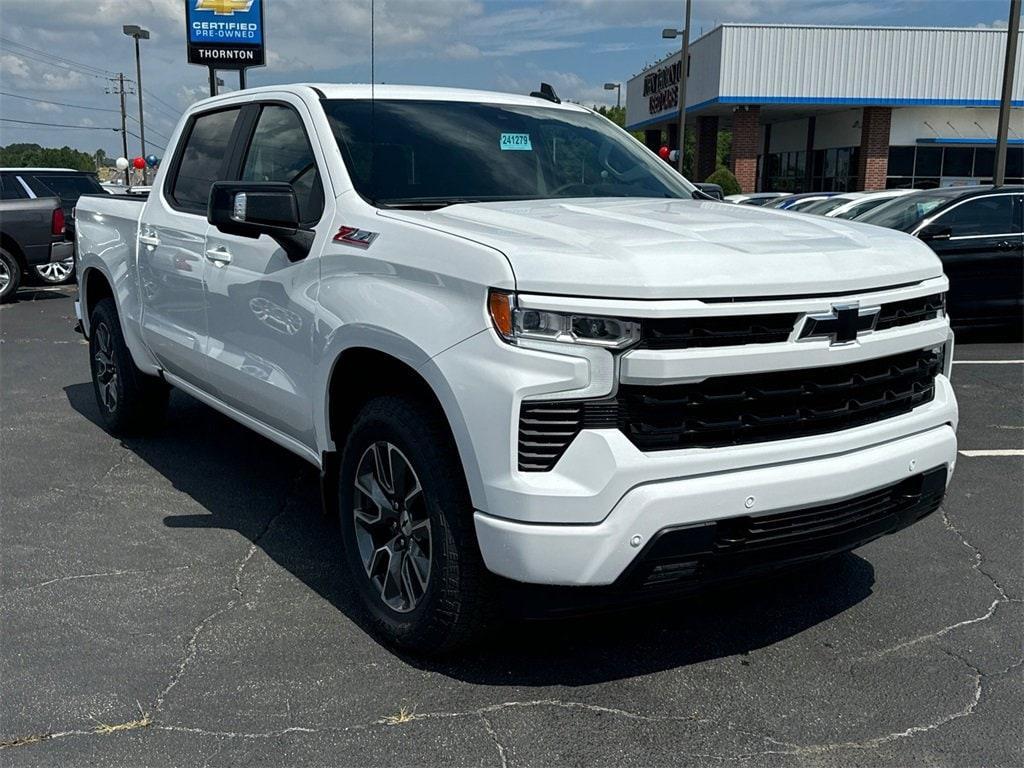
(515, 141)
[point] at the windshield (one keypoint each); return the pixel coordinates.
(904, 212)
(861, 208)
(821, 207)
(433, 153)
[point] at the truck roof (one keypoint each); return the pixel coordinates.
(401, 92)
(42, 170)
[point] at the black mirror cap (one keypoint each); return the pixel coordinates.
(267, 208)
(935, 232)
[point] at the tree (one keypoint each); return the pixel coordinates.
(33, 155)
(723, 177)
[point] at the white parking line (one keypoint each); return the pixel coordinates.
(1006, 452)
(988, 362)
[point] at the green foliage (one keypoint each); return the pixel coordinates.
(35, 156)
(723, 177)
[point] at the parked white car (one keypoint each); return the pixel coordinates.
(516, 344)
(756, 198)
(850, 205)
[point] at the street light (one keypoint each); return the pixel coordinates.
(617, 87)
(671, 34)
(137, 32)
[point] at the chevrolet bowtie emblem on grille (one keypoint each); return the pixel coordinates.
(223, 7)
(842, 324)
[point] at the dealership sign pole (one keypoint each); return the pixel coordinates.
(225, 34)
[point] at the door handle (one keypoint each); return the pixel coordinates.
(219, 256)
(151, 240)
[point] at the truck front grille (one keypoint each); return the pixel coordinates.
(751, 408)
(726, 331)
(735, 410)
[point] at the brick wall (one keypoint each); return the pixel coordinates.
(707, 146)
(873, 163)
(746, 135)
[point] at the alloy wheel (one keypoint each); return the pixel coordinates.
(392, 527)
(57, 271)
(106, 371)
(5, 276)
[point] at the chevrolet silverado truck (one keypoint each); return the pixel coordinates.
(521, 349)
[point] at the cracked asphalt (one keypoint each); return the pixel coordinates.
(179, 601)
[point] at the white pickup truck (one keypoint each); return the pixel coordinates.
(520, 347)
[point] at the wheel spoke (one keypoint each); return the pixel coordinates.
(392, 526)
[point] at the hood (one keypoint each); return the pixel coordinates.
(677, 249)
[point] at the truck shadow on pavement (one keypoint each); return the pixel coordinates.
(249, 485)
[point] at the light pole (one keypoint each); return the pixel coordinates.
(137, 32)
(1004, 103)
(684, 61)
(617, 87)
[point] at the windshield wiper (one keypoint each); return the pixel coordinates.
(434, 203)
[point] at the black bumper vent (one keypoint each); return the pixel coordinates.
(741, 546)
(735, 410)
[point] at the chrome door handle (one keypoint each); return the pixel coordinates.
(219, 256)
(151, 240)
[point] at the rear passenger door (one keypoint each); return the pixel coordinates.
(983, 257)
(172, 239)
(260, 303)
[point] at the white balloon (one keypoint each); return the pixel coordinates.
(121, 163)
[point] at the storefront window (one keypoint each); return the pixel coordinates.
(930, 167)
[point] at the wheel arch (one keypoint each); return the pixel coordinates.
(362, 371)
(94, 286)
(9, 244)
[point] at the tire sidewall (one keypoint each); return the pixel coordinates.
(396, 421)
(15, 270)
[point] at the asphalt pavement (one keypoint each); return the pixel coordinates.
(178, 600)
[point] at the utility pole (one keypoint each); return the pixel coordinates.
(119, 90)
(1012, 33)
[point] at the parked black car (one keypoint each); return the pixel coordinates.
(64, 183)
(978, 232)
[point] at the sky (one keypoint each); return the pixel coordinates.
(505, 45)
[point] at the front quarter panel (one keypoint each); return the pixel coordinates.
(412, 293)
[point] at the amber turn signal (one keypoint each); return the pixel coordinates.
(499, 304)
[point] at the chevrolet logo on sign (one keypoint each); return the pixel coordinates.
(841, 325)
(224, 7)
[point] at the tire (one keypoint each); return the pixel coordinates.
(130, 402)
(10, 276)
(454, 606)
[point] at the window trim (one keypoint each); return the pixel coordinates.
(223, 172)
(245, 145)
(938, 216)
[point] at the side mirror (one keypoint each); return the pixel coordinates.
(935, 232)
(254, 208)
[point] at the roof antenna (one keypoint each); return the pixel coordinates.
(546, 92)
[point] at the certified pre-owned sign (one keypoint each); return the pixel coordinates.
(225, 34)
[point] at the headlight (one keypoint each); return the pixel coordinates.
(515, 323)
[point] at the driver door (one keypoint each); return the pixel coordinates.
(260, 304)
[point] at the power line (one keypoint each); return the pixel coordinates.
(46, 54)
(158, 146)
(56, 64)
(59, 125)
(174, 110)
(57, 103)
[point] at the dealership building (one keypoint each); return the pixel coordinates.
(838, 108)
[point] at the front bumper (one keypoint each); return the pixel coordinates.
(600, 554)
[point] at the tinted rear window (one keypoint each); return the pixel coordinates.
(68, 187)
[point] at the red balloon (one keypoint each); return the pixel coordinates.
(139, 162)
(663, 153)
